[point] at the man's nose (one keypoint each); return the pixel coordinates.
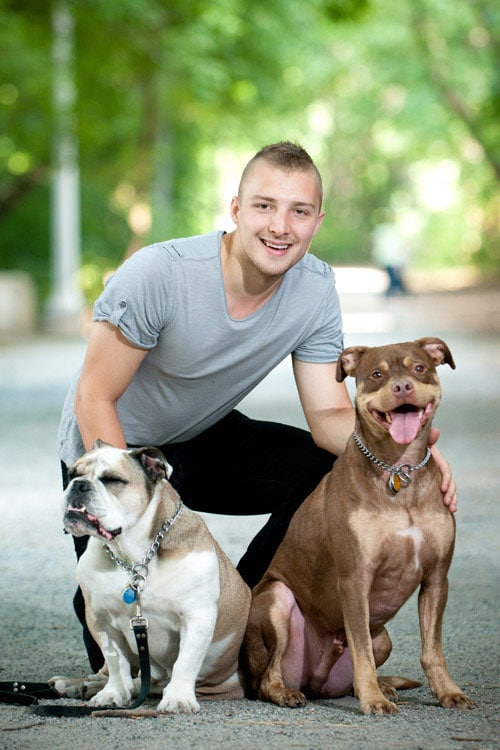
(278, 223)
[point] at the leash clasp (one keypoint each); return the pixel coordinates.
(138, 621)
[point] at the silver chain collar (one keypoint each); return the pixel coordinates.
(399, 475)
(139, 570)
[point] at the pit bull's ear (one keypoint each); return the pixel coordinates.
(437, 350)
(153, 462)
(348, 362)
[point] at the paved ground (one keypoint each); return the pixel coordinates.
(38, 632)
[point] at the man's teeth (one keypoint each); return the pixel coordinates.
(275, 247)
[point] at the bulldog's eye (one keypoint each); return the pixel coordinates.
(112, 480)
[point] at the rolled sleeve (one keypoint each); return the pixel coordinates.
(135, 299)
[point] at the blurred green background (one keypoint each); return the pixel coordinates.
(398, 103)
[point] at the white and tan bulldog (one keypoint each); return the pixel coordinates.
(195, 601)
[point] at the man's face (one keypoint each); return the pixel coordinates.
(277, 214)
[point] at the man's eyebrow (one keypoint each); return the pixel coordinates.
(268, 199)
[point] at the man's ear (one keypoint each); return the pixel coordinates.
(234, 209)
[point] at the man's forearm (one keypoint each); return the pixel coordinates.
(332, 429)
(99, 421)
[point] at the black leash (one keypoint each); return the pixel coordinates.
(29, 693)
(26, 693)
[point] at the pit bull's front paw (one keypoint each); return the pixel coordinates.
(379, 707)
(178, 702)
(457, 700)
(285, 697)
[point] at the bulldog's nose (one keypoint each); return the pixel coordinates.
(81, 485)
(402, 388)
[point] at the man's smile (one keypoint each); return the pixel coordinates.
(276, 247)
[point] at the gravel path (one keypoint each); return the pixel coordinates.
(39, 635)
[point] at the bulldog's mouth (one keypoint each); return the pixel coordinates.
(405, 422)
(80, 516)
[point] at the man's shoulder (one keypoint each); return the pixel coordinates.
(310, 264)
(195, 247)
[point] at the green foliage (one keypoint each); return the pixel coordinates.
(398, 103)
(25, 232)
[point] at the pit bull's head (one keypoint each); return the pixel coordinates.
(397, 387)
(110, 489)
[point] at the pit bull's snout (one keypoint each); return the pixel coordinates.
(403, 388)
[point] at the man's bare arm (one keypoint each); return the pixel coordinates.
(327, 405)
(110, 364)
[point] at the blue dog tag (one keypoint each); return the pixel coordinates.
(129, 596)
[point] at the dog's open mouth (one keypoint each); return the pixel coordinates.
(405, 422)
(79, 517)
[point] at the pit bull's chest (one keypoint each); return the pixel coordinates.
(398, 554)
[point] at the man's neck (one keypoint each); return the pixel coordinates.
(246, 289)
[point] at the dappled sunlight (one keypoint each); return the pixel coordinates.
(359, 280)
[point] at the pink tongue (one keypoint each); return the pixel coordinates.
(404, 427)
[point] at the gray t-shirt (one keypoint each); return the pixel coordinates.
(169, 298)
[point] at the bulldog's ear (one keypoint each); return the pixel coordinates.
(348, 362)
(153, 462)
(437, 351)
(101, 444)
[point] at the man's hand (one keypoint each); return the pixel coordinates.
(448, 486)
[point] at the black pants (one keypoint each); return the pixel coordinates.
(240, 466)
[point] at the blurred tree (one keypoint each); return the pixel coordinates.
(414, 104)
(169, 90)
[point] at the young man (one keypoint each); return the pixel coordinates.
(186, 328)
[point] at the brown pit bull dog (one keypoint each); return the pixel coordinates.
(374, 529)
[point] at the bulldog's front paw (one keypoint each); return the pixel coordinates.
(175, 701)
(111, 697)
(80, 687)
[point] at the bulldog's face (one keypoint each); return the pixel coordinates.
(109, 489)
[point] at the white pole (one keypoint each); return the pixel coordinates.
(66, 302)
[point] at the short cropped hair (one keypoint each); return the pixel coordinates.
(287, 156)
